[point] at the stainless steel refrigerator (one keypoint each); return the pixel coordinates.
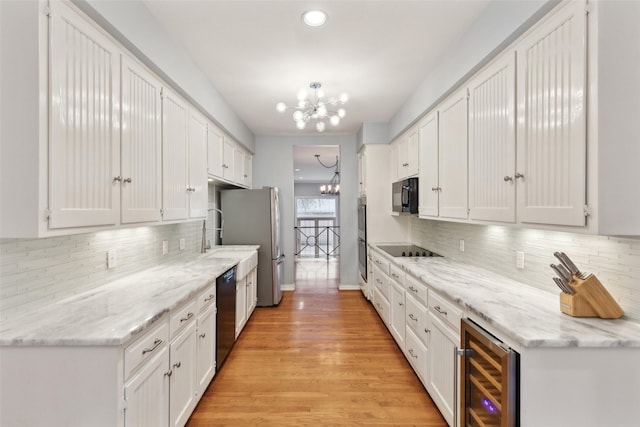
(252, 217)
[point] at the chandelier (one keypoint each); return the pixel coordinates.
(316, 107)
(333, 188)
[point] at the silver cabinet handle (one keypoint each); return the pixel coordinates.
(209, 298)
(128, 180)
(412, 289)
(156, 344)
(507, 178)
(118, 178)
(202, 335)
(395, 275)
(177, 365)
(436, 188)
(427, 331)
(518, 175)
(439, 310)
(184, 319)
(168, 373)
(412, 353)
(379, 281)
(412, 317)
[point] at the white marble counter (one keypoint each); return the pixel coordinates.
(526, 316)
(116, 313)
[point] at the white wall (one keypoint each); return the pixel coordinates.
(273, 166)
(134, 26)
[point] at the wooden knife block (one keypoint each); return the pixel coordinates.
(591, 299)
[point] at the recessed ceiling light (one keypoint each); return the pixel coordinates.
(297, 170)
(314, 18)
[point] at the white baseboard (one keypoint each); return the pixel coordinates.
(288, 286)
(348, 287)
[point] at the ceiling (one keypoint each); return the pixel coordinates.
(258, 52)
(306, 166)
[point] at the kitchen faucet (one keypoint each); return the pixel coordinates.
(205, 245)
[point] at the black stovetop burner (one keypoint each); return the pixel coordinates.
(407, 251)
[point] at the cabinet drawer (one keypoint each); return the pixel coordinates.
(182, 317)
(381, 282)
(416, 289)
(445, 311)
(416, 318)
(416, 353)
(380, 261)
(145, 348)
(207, 298)
(396, 274)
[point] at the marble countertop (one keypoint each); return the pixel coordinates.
(526, 316)
(118, 312)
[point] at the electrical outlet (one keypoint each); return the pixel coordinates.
(112, 258)
(183, 244)
(461, 245)
(165, 247)
(519, 259)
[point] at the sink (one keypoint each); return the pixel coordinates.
(248, 259)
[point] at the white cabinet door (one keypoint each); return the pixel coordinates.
(252, 292)
(428, 186)
(551, 119)
(442, 363)
(141, 155)
(182, 392)
(84, 141)
(198, 189)
(452, 146)
(394, 173)
(397, 324)
(238, 165)
(362, 172)
(206, 351)
(492, 142)
(175, 122)
(241, 304)
(215, 151)
(412, 152)
(228, 163)
(248, 170)
(147, 394)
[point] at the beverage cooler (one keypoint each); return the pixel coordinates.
(488, 381)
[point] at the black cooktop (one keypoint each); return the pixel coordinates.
(407, 250)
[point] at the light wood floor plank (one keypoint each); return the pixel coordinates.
(321, 358)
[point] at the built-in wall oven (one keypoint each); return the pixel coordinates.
(489, 379)
(362, 237)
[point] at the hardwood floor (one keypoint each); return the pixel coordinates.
(321, 358)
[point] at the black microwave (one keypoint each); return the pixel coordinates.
(405, 196)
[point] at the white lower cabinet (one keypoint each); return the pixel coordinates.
(397, 323)
(416, 353)
(147, 393)
(246, 299)
(206, 351)
(241, 304)
(182, 384)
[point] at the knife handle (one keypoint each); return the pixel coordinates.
(562, 272)
(569, 264)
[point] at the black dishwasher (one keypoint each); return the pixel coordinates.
(226, 321)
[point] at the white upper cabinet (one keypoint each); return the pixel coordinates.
(404, 155)
(197, 186)
(84, 141)
(215, 154)
(551, 170)
(428, 186)
(452, 148)
(175, 121)
(228, 160)
(492, 142)
(141, 177)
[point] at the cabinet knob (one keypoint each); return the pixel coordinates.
(518, 175)
(177, 365)
(168, 373)
(507, 178)
(117, 178)
(127, 180)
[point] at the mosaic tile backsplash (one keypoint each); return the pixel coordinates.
(614, 260)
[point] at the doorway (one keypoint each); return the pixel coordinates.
(317, 215)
